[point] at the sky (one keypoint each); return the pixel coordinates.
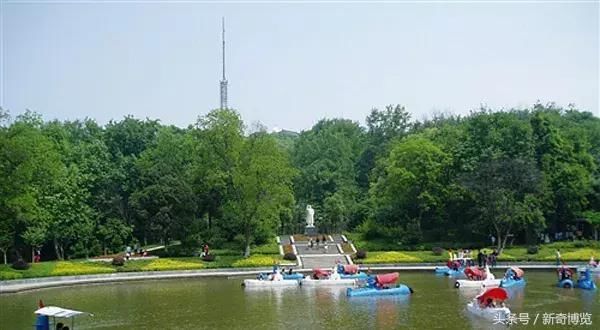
(291, 64)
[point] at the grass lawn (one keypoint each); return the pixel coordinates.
(571, 252)
(84, 267)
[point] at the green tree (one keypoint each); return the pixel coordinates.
(326, 157)
(409, 189)
(506, 191)
(165, 201)
(262, 187)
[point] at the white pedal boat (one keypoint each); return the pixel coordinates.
(253, 283)
(328, 282)
(490, 305)
(490, 313)
(489, 282)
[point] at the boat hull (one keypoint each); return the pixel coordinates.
(441, 269)
(586, 285)
(294, 276)
(492, 314)
(512, 283)
(462, 284)
(327, 282)
(359, 276)
(364, 292)
(455, 273)
(267, 283)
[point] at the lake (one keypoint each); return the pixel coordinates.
(221, 303)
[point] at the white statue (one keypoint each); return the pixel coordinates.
(310, 216)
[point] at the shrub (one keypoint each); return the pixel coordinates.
(118, 261)
(361, 254)
(208, 257)
(20, 264)
(579, 244)
(171, 264)
(533, 249)
(65, 268)
(256, 261)
(438, 251)
(289, 256)
(288, 249)
(269, 248)
(390, 257)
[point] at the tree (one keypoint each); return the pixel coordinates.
(409, 189)
(262, 187)
(566, 174)
(506, 191)
(165, 202)
(326, 157)
(219, 137)
(29, 163)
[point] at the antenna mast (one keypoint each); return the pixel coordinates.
(224, 80)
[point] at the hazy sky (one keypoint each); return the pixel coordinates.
(288, 64)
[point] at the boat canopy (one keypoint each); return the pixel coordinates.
(495, 293)
(320, 273)
(350, 269)
(518, 271)
(58, 312)
(389, 278)
(474, 272)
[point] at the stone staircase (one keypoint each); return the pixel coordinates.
(324, 255)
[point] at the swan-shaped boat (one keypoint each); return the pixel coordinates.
(490, 305)
(380, 285)
(477, 279)
(513, 278)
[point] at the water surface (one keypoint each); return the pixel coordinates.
(220, 303)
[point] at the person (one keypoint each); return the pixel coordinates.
(564, 273)
(592, 262)
(325, 247)
(311, 243)
(60, 326)
(290, 271)
(494, 257)
(485, 257)
(450, 255)
(493, 239)
(317, 241)
(144, 253)
(480, 258)
(206, 249)
(558, 257)
(323, 239)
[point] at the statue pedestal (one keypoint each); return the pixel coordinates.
(310, 231)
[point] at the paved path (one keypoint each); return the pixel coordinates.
(322, 255)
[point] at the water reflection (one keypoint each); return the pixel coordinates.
(387, 312)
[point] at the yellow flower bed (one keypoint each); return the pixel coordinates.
(256, 261)
(170, 264)
(391, 257)
(64, 268)
(582, 254)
